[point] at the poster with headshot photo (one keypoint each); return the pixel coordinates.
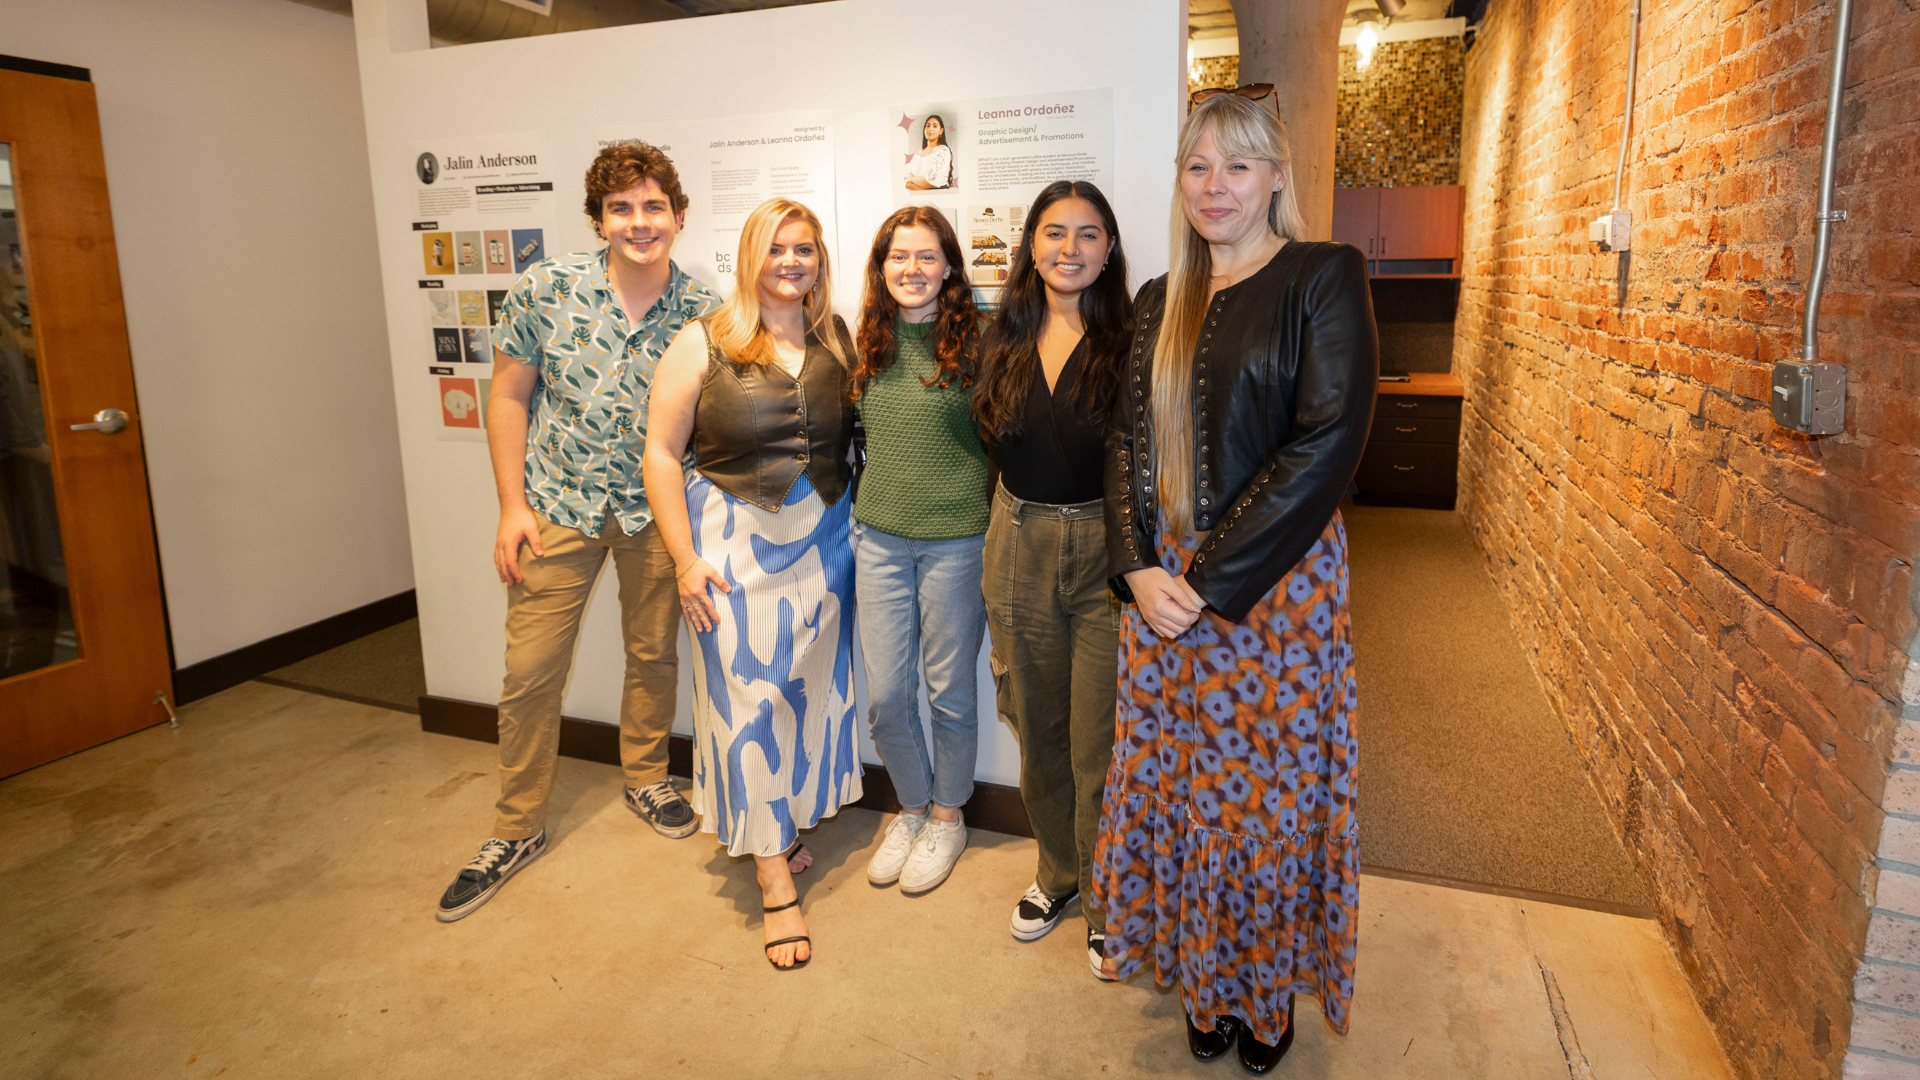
(440, 307)
(497, 250)
(473, 307)
(996, 154)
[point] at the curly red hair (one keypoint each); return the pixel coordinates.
(956, 326)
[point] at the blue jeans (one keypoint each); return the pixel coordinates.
(921, 598)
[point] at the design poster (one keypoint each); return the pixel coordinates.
(981, 162)
(729, 166)
(483, 208)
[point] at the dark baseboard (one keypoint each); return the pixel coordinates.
(994, 807)
(211, 676)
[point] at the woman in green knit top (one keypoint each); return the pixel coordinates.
(920, 521)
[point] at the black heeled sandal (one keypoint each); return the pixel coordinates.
(795, 902)
(793, 853)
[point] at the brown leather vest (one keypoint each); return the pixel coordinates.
(758, 428)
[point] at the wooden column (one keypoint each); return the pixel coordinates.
(1295, 45)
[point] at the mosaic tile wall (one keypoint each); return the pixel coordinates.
(1213, 71)
(1399, 118)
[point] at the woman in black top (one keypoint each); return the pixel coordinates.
(1228, 850)
(1049, 366)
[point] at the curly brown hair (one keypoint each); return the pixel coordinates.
(627, 164)
(957, 325)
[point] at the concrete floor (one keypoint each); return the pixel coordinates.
(250, 895)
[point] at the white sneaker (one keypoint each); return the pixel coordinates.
(884, 869)
(934, 852)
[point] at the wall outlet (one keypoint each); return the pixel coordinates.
(1613, 231)
(1810, 398)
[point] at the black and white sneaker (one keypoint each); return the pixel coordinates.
(480, 879)
(1038, 913)
(662, 806)
(1097, 953)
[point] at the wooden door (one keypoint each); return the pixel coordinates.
(1356, 217)
(83, 645)
(1419, 223)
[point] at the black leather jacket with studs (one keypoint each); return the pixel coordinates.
(1284, 378)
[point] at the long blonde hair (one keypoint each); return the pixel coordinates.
(737, 329)
(1241, 129)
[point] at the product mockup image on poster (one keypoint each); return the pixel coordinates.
(528, 248)
(446, 346)
(436, 251)
(473, 307)
(477, 349)
(499, 254)
(440, 307)
(469, 258)
(496, 300)
(459, 403)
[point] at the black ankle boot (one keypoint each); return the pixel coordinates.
(1208, 1045)
(1259, 1058)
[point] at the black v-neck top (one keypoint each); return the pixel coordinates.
(1056, 456)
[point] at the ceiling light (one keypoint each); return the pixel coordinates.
(1368, 41)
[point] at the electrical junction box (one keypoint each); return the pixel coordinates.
(1810, 398)
(1613, 230)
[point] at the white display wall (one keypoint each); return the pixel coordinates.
(855, 61)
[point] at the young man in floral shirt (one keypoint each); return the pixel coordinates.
(566, 422)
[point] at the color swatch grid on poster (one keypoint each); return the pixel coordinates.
(483, 209)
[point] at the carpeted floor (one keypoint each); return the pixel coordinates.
(383, 668)
(1467, 774)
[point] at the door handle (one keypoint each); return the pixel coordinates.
(106, 422)
(1403, 468)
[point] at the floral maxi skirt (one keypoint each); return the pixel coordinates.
(1228, 846)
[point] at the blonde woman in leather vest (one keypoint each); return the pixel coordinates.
(758, 391)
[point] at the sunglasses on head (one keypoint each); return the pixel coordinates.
(1261, 92)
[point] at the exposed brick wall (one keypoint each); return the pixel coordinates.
(1720, 611)
(1399, 117)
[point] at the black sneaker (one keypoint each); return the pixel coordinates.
(1097, 953)
(662, 806)
(1038, 913)
(475, 885)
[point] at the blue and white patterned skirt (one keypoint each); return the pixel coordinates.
(773, 707)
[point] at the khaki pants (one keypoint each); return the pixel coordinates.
(1056, 662)
(543, 621)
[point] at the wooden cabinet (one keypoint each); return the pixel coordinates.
(1404, 231)
(1413, 450)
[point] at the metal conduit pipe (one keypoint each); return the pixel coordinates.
(1825, 217)
(1809, 396)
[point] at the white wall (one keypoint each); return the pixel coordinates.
(855, 58)
(237, 163)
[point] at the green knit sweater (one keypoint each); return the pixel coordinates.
(926, 474)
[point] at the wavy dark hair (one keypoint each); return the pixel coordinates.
(1010, 349)
(956, 327)
(943, 130)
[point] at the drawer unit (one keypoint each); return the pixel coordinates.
(1407, 469)
(1401, 429)
(1415, 406)
(1413, 448)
